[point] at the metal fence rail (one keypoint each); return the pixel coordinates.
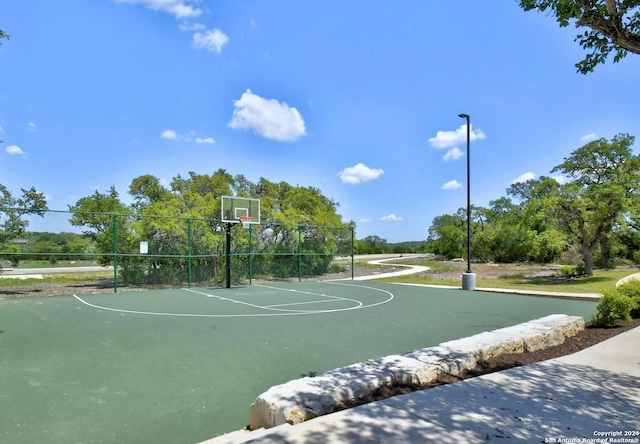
(138, 251)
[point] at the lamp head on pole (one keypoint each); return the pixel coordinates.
(464, 116)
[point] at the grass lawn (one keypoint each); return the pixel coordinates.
(61, 279)
(26, 264)
(443, 273)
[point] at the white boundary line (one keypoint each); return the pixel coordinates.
(268, 307)
(302, 303)
(364, 286)
(279, 312)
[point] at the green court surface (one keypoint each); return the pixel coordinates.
(181, 366)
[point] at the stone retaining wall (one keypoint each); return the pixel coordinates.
(306, 398)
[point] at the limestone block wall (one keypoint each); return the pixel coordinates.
(306, 398)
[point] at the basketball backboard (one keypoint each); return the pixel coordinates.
(233, 208)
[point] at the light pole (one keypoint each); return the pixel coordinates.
(468, 278)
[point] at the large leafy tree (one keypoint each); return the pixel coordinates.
(147, 190)
(372, 245)
(605, 186)
(294, 219)
(196, 196)
(299, 219)
(537, 213)
(598, 208)
(447, 235)
(100, 214)
(613, 26)
(12, 209)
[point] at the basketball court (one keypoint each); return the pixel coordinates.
(184, 365)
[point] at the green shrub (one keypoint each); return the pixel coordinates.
(616, 262)
(613, 306)
(571, 271)
(632, 289)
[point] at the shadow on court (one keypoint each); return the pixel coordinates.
(184, 365)
(526, 404)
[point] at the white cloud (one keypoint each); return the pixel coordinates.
(14, 150)
(171, 135)
(524, 177)
(451, 185)
(212, 40)
(560, 179)
(366, 220)
(588, 137)
(359, 173)
(453, 154)
(191, 27)
(32, 127)
(391, 218)
(267, 117)
(178, 8)
(447, 139)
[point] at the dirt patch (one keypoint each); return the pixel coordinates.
(452, 270)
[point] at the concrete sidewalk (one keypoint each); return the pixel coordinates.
(583, 395)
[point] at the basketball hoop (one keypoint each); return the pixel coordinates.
(246, 221)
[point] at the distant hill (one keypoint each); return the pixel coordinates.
(410, 245)
(375, 244)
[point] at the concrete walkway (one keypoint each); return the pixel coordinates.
(631, 277)
(584, 395)
(413, 269)
(551, 294)
(406, 269)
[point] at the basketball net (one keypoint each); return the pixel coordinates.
(246, 221)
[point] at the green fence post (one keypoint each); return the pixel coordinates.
(353, 236)
(189, 252)
(299, 253)
(227, 265)
(115, 254)
(250, 254)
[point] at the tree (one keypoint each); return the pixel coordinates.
(12, 209)
(97, 214)
(605, 186)
(372, 245)
(299, 219)
(614, 26)
(146, 190)
(199, 194)
(3, 35)
(447, 236)
(539, 213)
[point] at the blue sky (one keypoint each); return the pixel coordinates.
(357, 98)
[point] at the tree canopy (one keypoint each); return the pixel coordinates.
(613, 26)
(596, 210)
(605, 186)
(293, 219)
(12, 210)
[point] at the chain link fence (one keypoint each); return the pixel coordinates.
(64, 252)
